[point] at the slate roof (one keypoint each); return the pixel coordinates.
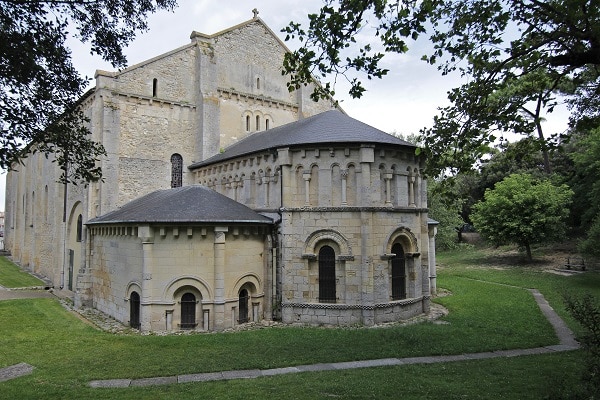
(182, 205)
(330, 127)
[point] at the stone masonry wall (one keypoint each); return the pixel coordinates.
(181, 257)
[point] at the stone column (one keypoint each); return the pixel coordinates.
(219, 265)
(432, 231)
(388, 187)
(344, 174)
(411, 191)
(306, 176)
(266, 182)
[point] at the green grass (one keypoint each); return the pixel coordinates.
(484, 316)
(11, 276)
(491, 266)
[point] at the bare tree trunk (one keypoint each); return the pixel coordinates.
(528, 249)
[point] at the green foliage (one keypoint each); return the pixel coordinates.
(590, 244)
(511, 158)
(587, 180)
(445, 210)
(586, 311)
(39, 108)
(523, 211)
(518, 57)
(332, 33)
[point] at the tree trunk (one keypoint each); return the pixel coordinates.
(528, 249)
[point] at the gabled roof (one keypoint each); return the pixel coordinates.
(330, 127)
(188, 204)
(240, 26)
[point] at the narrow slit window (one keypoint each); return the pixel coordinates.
(176, 170)
(134, 310)
(154, 87)
(243, 306)
(398, 273)
(247, 123)
(258, 123)
(258, 83)
(267, 124)
(79, 234)
(327, 279)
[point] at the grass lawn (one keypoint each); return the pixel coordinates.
(484, 316)
(11, 276)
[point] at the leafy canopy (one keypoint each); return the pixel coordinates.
(40, 88)
(523, 211)
(517, 56)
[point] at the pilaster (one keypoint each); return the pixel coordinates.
(146, 234)
(219, 265)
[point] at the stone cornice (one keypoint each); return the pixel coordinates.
(351, 208)
(231, 93)
(150, 100)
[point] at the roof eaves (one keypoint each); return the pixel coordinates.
(174, 221)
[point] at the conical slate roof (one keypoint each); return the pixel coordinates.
(183, 205)
(330, 127)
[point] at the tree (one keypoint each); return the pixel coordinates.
(40, 88)
(510, 158)
(446, 211)
(523, 211)
(585, 182)
(518, 56)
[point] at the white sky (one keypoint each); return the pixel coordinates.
(404, 101)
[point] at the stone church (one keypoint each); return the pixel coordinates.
(228, 199)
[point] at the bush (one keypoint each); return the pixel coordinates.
(586, 311)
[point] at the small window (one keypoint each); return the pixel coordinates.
(79, 228)
(398, 273)
(176, 170)
(267, 124)
(258, 123)
(327, 279)
(258, 83)
(134, 310)
(243, 306)
(154, 87)
(188, 311)
(247, 123)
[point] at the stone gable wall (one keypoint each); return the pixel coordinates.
(174, 74)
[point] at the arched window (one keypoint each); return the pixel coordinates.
(247, 123)
(398, 273)
(134, 310)
(258, 83)
(154, 87)
(258, 122)
(79, 228)
(176, 170)
(327, 279)
(243, 306)
(188, 311)
(266, 124)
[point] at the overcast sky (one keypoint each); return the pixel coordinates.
(403, 102)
